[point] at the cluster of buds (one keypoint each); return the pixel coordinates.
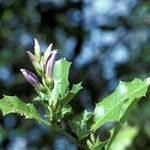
(43, 64)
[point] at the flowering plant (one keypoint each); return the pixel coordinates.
(93, 130)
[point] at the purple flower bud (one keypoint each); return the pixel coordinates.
(33, 58)
(30, 77)
(49, 63)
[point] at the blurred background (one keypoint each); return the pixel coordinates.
(107, 41)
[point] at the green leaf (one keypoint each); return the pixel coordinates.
(61, 72)
(98, 145)
(128, 106)
(66, 99)
(124, 138)
(61, 85)
(79, 124)
(12, 104)
(66, 110)
(113, 107)
(94, 143)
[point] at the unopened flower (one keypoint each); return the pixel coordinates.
(35, 62)
(30, 77)
(48, 51)
(49, 64)
(32, 57)
(37, 49)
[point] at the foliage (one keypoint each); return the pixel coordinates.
(124, 138)
(94, 130)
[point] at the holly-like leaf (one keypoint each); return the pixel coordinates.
(113, 107)
(79, 124)
(12, 104)
(66, 99)
(66, 110)
(61, 85)
(61, 72)
(124, 138)
(98, 145)
(94, 143)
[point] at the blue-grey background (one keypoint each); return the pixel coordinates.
(107, 41)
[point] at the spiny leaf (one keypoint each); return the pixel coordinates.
(12, 104)
(124, 138)
(115, 105)
(61, 85)
(98, 146)
(79, 124)
(66, 99)
(66, 110)
(94, 143)
(61, 72)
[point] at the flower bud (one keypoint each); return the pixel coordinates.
(48, 51)
(37, 50)
(49, 64)
(35, 62)
(30, 77)
(33, 58)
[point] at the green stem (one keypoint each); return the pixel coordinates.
(59, 130)
(63, 132)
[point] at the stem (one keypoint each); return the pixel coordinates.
(63, 132)
(74, 140)
(59, 130)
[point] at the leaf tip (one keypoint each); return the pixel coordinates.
(148, 81)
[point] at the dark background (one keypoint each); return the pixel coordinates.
(107, 41)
